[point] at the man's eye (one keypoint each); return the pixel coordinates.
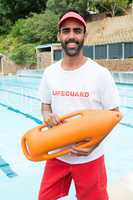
(78, 30)
(65, 30)
(68, 30)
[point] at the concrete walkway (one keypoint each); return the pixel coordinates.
(122, 190)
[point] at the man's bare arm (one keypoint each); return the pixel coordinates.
(45, 110)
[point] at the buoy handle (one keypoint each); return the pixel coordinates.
(67, 116)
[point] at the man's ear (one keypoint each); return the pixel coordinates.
(85, 37)
(58, 36)
(86, 34)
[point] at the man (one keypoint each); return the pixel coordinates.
(71, 84)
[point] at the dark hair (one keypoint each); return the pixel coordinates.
(73, 10)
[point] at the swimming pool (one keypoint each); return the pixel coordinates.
(20, 110)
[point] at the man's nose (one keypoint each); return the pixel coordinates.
(71, 34)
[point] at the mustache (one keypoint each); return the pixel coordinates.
(71, 41)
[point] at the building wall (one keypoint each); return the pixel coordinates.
(57, 47)
(7, 66)
(110, 30)
(44, 59)
(117, 65)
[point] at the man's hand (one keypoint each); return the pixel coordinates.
(52, 119)
(48, 116)
(76, 151)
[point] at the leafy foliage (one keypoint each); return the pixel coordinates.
(112, 7)
(20, 8)
(24, 54)
(40, 28)
(5, 25)
(26, 34)
(60, 7)
(12, 10)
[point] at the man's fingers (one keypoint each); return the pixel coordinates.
(53, 119)
(56, 119)
(80, 152)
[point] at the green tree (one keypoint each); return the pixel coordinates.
(15, 9)
(5, 25)
(26, 34)
(17, 51)
(130, 1)
(112, 7)
(12, 10)
(40, 28)
(24, 54)
(59, 7)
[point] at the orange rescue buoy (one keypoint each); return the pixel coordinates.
(93, 125)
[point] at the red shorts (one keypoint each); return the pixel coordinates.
(89, 178)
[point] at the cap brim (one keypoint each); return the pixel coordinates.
(74, 16)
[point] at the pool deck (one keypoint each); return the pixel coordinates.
(122, 189)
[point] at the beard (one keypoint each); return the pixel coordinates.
(72, 51)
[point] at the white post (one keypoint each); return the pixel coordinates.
(94, 52)
(52, 53)
(107, 51)
(2, 66)
(123, 51)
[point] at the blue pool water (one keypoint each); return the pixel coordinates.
(20, 111)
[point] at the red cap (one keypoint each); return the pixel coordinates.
(74, 15)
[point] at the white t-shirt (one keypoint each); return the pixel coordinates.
(91, 86)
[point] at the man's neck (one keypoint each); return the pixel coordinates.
(74, 62)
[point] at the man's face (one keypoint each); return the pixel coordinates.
(71, 36)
